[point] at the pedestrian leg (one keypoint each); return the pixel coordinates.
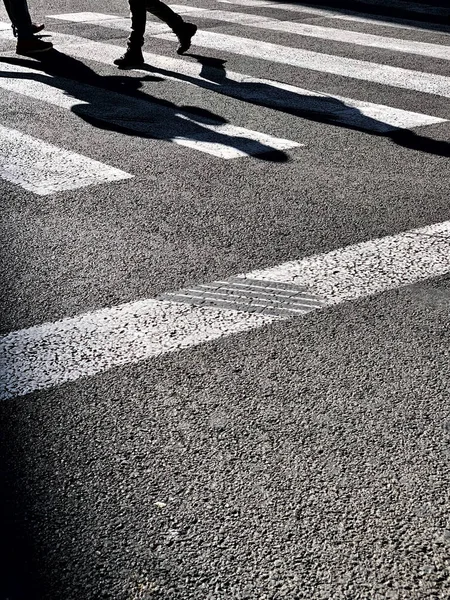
(133, 56)
(183, 30)
(20, 17)
(165, 14)
(138, 19)
(27, 42)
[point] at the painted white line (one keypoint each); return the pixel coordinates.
(266, 92)
(110, 21)
(87, 17)
(53, 353)
(238, 141)
(92, 343)
(36, 84)
(139, 115)
(43, 168)
(370, 267)
(341, 15)
(325, 63)
(316, 61)
(324, 33)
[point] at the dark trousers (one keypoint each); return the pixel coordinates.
(160, 10)
(19, 16)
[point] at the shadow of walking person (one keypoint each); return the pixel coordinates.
(303, 103)
(309, 105)
(116, 103)
(413, 141)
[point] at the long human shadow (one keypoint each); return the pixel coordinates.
(323, 109)
(434, 19)
(102, 105)
(115, 103)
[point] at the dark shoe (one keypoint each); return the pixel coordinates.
(131, 59)
(185, 36)
(35, 28)
(32, 45)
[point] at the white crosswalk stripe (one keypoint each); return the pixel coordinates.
(81, 346)
(407, 79)
(45, 169)
(323, 33)
(329, 13)
(297, 57)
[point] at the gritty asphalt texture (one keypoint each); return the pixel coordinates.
(308, 459)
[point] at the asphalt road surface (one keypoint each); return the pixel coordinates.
(225, 305)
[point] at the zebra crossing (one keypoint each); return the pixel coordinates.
(223, 140)
(346, 111)
(132, 332)
(128, 112)
(305, 59)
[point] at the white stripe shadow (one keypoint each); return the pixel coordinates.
(338, 109)
(323, 33)
(110, 110)
(341, 15)
(53, 353)
(43, 168)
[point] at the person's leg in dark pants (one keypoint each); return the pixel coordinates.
(24, 28)
(165, 13)
(133, 55)
(138, 19)
(182, 29)
(138, 8)
(20, 17)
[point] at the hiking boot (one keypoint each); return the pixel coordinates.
(35, 28)
(131, 59)
(185, 35)
(33, 45)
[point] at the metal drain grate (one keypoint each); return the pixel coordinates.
(250, 295)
